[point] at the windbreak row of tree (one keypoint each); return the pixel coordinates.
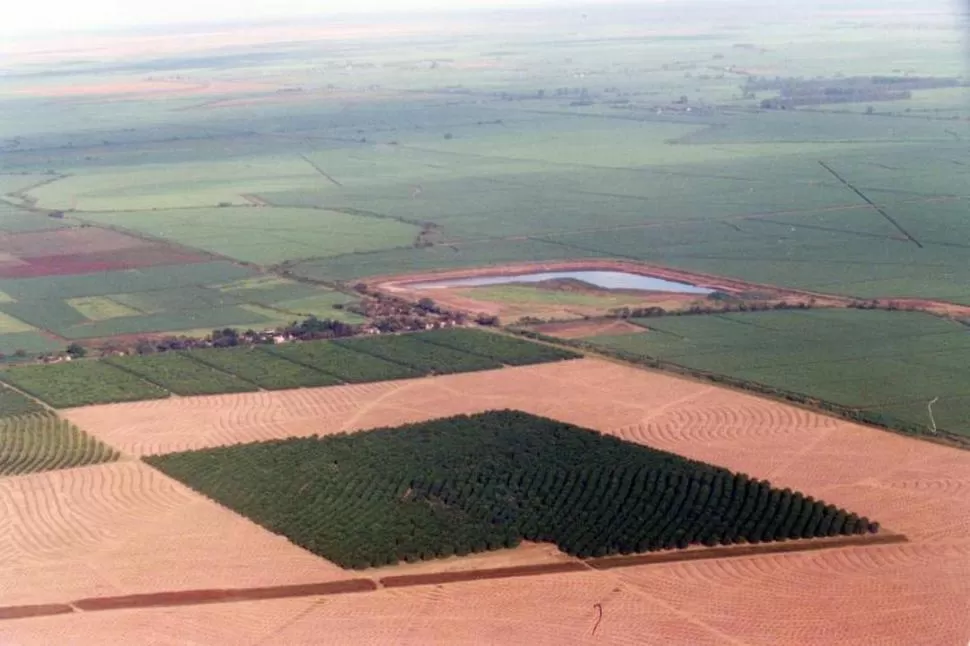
(474, 483)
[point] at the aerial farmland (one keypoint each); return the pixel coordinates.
(632, 323)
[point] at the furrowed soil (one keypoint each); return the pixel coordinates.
(913, 592)
(124, 528)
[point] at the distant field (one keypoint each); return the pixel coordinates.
(81, 383)
(504, 349)
(101, 308)
(889, 363)
(154, 300)
(213, 371)
(10, 325)
(267, 236)
(31, 343)
(424, 358)
(266, 370)
(181, 375)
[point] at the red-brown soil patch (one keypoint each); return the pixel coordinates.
(84, 250)
(148, 255)
(407, 580)
(197, 597)
(124, 528)
(585, 329)
(23, 612)
(65, 242)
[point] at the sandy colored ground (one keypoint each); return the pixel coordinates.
(917, 593)
(586, 329)
(124, 528)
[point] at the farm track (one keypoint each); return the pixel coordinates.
(166, 599)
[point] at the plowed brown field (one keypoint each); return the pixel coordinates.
(915, 593)
(124, 528)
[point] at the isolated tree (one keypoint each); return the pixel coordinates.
(77, 351)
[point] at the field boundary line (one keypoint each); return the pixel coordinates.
(175, 598)
(734, 551)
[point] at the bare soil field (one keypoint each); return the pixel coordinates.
(124, 528)
(66, 242)
(585, 329)
(83, 251)
(915, 592)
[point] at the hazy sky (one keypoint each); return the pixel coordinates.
(26, 16)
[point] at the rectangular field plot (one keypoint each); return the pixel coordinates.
(13, 403)
(268, 237)
(429, 490)
(66, 385)
(504, 349)
(44, 443)
(101, 308)
(424, 358)
(120, 282)
(347, 365)
(882, 362)
(266, 370)
(181, 375)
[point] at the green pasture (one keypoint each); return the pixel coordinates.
(266, 236)
(101, 308)
(888, 362)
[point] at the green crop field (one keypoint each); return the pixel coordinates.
(888, 363)
(504, 147)
(422, 357)
(180, 374)
(267, 236)
(347, 365)
(13, 404)
(101, 308)
(28, 343)
(117, 282)
(80, 383)
(268, 371)
(10, 325)
(484, 482)
(43, 443)
(501, 348)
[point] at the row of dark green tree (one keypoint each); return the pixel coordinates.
(475, 483)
